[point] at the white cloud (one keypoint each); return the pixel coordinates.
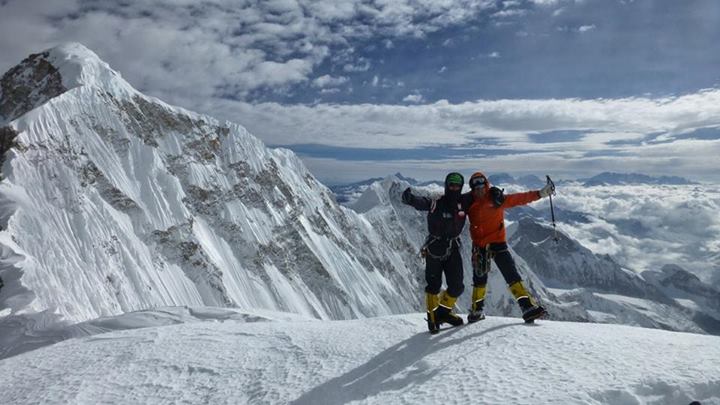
(361, 65)
(613, 130)
(509, 13)
(194, 54)
(413, 98)
(494, 54)
(329, 81)
(646, 227)
(205, 49)
(579, 29)
(546, 2)
(375, 81)
(442, 69)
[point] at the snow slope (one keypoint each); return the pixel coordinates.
(370, 361)
(112, 202)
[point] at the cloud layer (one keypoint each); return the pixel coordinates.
(217, 48)
(388, 68)
(571, 137)
(646, 227)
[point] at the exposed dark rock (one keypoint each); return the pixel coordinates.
(28, 85)
(177, 245)
(7, 141)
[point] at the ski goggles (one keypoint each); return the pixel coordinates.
(477, 182)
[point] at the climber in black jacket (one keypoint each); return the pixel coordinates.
(445, 219)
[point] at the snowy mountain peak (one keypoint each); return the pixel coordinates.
(112, 201)
(79, 66)
(48, 74)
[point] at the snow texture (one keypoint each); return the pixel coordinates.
(370, 361)
(113, 202)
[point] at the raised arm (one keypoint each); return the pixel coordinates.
(513, 200)
(419, 203)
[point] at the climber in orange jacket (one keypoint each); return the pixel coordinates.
(487, 229)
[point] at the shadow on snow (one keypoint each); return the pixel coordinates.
(393, 369)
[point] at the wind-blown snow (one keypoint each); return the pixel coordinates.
(370, 361)
(116, 202)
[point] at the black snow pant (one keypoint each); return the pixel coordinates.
(481, 261)
(452, 267)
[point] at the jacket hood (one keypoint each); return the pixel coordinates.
(480, 174)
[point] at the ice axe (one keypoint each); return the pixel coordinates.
(552, 209)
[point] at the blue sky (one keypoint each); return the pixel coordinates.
(367, 88)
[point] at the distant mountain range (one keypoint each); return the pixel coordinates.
(609, 178)
(574, 282)
(346, 194)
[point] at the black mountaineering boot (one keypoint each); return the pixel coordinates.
(478, 302)
(530, 311)
(444, 312)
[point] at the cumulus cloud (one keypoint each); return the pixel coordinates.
(614, 131)
(577, 29)
(208, 55)
(361, 65)
(546, 2)
(329, 81)
(219, 48)
(646, 227)
(413, 98)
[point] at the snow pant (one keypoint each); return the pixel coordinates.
(481, 262)
(451, 266)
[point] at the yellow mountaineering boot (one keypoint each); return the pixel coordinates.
(478, 302)
(431, 302)
(530, 310)
(444, 312)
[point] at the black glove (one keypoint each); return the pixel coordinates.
(497, 196)
(407, 196)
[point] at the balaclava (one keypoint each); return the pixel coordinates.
(457, 179)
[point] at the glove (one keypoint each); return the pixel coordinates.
(547, 190)
(407, 196)
(497, 196)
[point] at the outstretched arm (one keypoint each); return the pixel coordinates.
(513, 200)
(420, 203)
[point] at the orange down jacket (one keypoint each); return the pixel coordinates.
(487, 222)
